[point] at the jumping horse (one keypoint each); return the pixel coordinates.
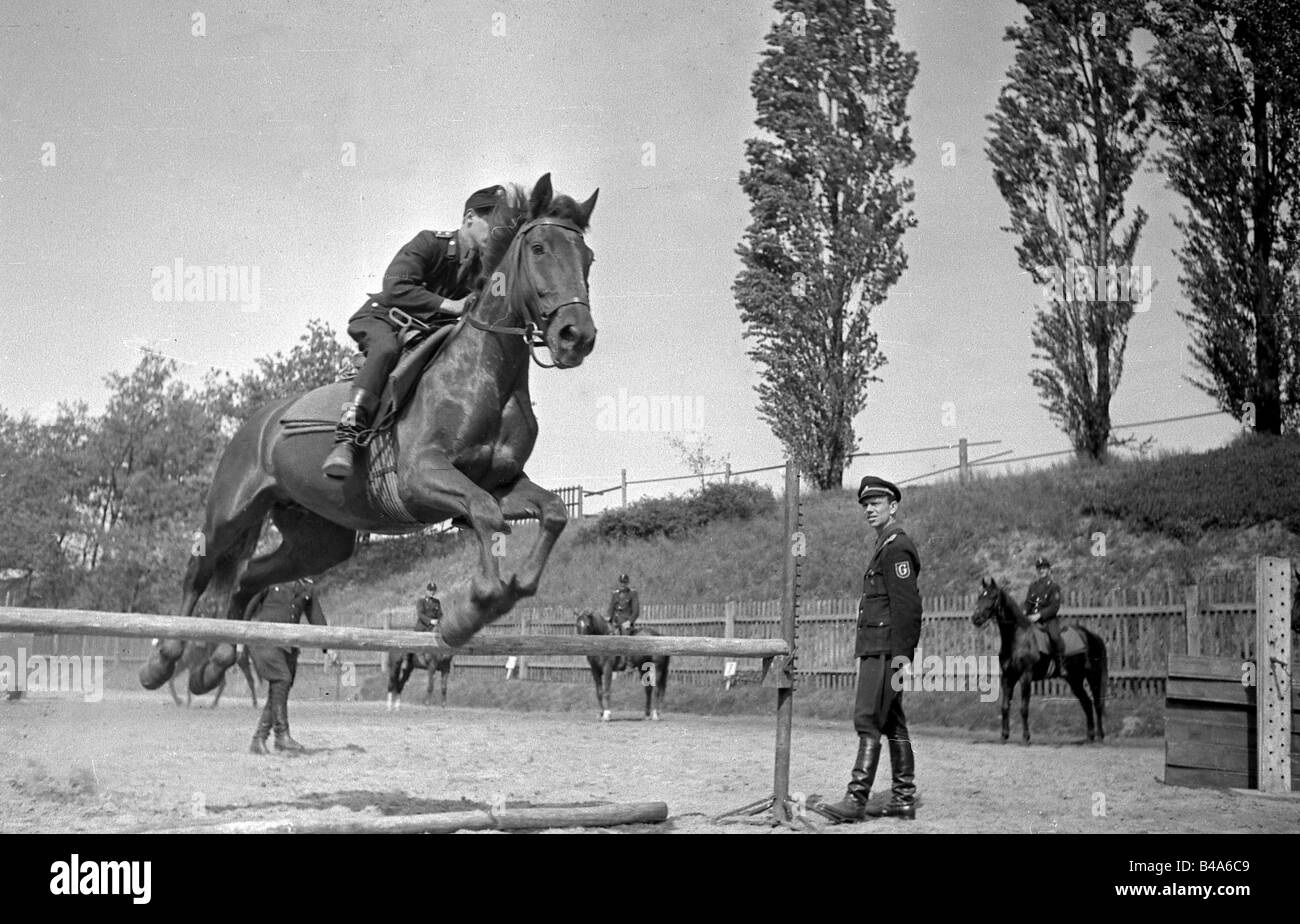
(653, 670)
(405, 664)
(460, 443)
(1023, 660)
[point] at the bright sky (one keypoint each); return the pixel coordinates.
(130, 143)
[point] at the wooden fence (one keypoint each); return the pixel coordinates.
(1140, 628)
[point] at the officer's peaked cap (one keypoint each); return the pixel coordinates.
(431, 587)
(872, 485)
(1042, 562)
(485, 198)
(623, 579)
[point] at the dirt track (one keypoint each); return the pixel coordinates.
(136, 761)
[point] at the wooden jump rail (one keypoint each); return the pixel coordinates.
(141, 625)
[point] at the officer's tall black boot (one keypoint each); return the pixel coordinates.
(283, 740)
(902, 800)
(355, 417)
(853, 807)
(263, 730)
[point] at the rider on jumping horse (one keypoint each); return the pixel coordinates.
(431, 277)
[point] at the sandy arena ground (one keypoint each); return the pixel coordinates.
(135, 761)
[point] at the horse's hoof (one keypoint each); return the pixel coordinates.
(654, 717)
(604, 716)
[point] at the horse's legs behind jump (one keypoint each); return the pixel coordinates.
(309, 544)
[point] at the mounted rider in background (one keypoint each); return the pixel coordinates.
(429, 280)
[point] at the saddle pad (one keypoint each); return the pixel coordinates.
(407, 373)
(1074, 641)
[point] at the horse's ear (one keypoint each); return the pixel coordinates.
(587, 208)
(541, 197)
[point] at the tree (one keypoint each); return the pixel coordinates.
(1226, 88)
(829, 213)
(695, 455)
(1069, 131)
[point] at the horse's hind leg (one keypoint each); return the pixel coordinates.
(397, 677)
(1025, 683)
(246, 669)
(1097, 679)
(1081, 694)
(309, 544)
(1008, 694)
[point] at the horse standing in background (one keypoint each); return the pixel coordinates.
(1025, 658)
(652, 669)
(402, 669)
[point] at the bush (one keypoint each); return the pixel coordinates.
(676, 516)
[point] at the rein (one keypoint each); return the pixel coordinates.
(534, 332)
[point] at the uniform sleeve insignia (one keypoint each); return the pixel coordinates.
(903, 569)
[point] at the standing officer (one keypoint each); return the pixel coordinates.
(1042, 603)
(624, 606)
(889, 627)
(278, 665)
(431, 276)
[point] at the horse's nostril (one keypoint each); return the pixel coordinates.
(568, 334)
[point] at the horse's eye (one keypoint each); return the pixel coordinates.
(538, 249)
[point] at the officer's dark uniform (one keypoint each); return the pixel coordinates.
(286, 603)
(427, 613)
(1044, 598)
(428, 270)
(889, 627)
(624, 606)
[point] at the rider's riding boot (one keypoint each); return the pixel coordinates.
(853, 807)
(902, 800)
(355, 417)
(283, 741)
(263, 731)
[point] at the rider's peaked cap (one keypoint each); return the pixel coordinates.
(872, 485)
(431, 587)
(624, 579)
(1042, 562)
(485, 198)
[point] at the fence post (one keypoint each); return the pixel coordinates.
(579, 502)
(726, 475)
(963, 462)
(525, 621)
(1192, 618)
(623, 482)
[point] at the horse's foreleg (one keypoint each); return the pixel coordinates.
(1081, 694)
(433, 489)
(1008, 693)
(527, 498)
(432, 671)
(246, 669)
(597, 668)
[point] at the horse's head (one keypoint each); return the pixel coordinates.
(537, 259)
(989, 602)
(590, 624)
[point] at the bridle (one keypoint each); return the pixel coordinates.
(539, 319)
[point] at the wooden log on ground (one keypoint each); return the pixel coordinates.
(140, 625)
(520, 819)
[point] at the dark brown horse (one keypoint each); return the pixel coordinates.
(1023, 660)
(653, 670)
(404, 664)
(460, 443)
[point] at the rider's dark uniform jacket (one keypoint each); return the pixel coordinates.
(424, 272)
(286, 603)
(624, 606)
(1044, 598)
(427, 613)
(889, 612)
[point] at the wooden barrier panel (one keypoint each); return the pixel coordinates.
(89, 622)
(508, 819)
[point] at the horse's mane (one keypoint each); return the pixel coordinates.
(509, 215)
